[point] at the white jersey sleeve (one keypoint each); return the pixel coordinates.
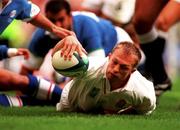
(33, 12)
(93, 4)
(119, 10)
(144, 98)
(96, 61)
(122, 35)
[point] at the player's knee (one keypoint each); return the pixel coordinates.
(142, 25)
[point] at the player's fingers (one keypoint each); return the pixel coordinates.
(26, 56)
(73, 48)
(58, 46)
(84, 51)
(60, 32)
(63, 50)
(81, 50)
(66, 52)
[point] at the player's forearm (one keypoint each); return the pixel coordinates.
(12, 81)
(41, 21)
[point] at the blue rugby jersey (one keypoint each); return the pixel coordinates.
(3, 52)
(17, 9)
(93, 33)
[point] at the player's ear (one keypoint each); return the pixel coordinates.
(134, 70)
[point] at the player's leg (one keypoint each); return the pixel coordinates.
(30, 85)
(146, 13)
(168, 16)
(23, 100)
(152, 45)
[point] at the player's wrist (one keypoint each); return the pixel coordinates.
(12, 52)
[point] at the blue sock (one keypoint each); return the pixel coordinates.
(42, 89)
(56, 94)
(20, 101)
(10, 101)
(4, 100)
(33, 85)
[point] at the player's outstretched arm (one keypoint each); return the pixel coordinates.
(18, 52)
(41, 21)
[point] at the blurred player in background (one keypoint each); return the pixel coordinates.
(119, 12)
(27, 11)
(146, 13)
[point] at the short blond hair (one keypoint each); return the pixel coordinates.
(130, 49)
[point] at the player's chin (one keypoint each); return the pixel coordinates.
(109, 75)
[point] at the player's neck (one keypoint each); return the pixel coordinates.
(119, 84)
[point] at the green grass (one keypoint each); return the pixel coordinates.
(165, 117)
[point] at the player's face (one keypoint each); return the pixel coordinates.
(120, 66)
(61, 19)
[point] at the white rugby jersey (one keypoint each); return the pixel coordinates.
(120, 10)
(92, 92)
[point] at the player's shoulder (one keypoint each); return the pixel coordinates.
(96, 61)
(21, 2)
(85, 15)
(16, 4)
(139, 83)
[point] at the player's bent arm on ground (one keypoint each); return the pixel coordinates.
(129, 110)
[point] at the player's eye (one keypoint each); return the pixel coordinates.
(115, 62)
(60, 19)
(52, 20)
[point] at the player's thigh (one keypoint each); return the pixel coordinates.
(168, 16)
(12, 81)
(146, 12)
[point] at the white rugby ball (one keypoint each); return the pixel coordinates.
(70, 68)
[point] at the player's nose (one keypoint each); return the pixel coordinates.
(116, 69)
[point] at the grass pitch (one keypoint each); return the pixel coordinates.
(165, 117)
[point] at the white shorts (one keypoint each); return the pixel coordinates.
(64, 102)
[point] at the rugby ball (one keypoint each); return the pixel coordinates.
(70, 68)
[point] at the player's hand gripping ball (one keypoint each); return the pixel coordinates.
(70, 68)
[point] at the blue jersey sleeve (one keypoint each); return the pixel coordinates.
(16, 9)
(3, 52)
(41, 43)
(94, 33)
(87, 32)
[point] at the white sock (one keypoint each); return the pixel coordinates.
(149, 36)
